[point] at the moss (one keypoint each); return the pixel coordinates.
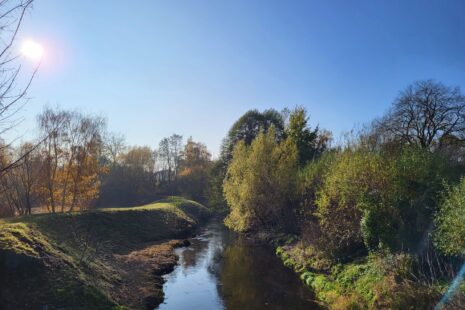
(17, 238)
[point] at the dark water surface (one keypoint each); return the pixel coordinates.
(221, 271)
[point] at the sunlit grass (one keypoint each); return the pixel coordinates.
(72, 249)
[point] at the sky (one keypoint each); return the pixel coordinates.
(154, 68)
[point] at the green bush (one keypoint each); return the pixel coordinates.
(417, 182)
(309, 181)
(449, 234)
(374, 199)
(354, 182)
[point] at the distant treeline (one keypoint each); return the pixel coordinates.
(77, 165)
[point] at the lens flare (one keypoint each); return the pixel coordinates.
(452, 289)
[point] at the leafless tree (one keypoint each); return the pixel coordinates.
(114, 146)
(168, 156)
(12, 95)
(427, 114)
(19, 185)
(175, 143)
(52, 122)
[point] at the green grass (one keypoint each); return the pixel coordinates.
(63, 258)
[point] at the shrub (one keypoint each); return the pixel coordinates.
(354, 182)
(309, 181)
(374, 199)
(449, 234)
(417, 179)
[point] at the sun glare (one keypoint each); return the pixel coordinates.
(32, 50)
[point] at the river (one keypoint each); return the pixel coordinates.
(219, 270)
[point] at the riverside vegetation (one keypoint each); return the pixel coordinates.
(376, 222)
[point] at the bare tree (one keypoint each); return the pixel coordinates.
(168, 156)
(19, 185)
(175, 146)
(114, 146)
(52, 122)
(12, 95)
(426, 114)
(29, 175)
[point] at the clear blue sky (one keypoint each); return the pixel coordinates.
(154, 68)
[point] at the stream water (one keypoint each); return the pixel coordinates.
(219, 270)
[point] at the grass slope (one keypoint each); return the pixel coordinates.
(93, 260)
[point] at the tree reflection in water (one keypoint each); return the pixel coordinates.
(219, 270)
(252, 277)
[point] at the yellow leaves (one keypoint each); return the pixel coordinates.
(259, 181)
(74, 185)
(185, 172)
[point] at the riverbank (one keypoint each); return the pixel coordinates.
(103, 259)
(376, 281)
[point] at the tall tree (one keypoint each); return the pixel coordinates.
(168, 156)
(71, 159)
(310, 143)
(247, 128)
(175, 148)
(194, 170)
(114, 146)
(260, 183)
(19, 185)
(427, 114)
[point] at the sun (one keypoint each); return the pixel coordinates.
(32, 50)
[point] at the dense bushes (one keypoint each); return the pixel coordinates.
(362, 198)
(379, 199)
(350, 186)
(449, 235)
(417, 179)
(365, 211)
(262, 170)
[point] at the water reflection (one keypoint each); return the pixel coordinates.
(221, 271)
(193, 255)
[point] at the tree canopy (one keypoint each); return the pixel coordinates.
(248, 127)
(427, 114)
(310, 142)
(260, 183)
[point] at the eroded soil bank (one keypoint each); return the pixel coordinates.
(142, 271)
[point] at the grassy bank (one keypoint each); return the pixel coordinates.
(377, 281)
(102, 259)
